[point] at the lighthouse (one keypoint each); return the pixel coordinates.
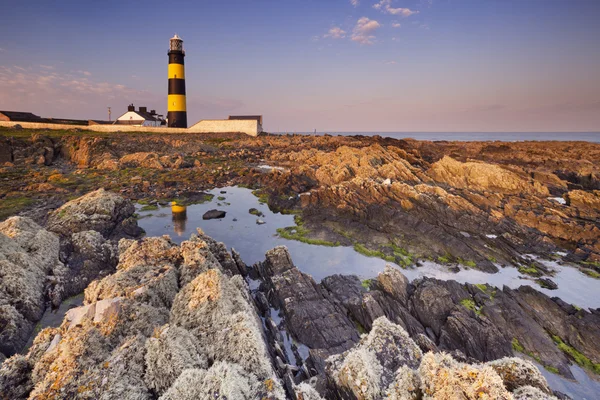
(177, 114)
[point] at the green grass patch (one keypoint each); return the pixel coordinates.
(149, 207)
(220, 198)
(467, 263)
(366, 283)
(263, 197)
(300, 233)
(578, 357)
(492, 259)
(444, 259)
(591, 273)
(517, 346)
(552, 369)
(532, 271)
(10, 206)
(470, 305)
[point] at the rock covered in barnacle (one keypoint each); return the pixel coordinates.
(101, 211)
(29, 269)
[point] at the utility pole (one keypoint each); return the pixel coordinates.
(109, 120)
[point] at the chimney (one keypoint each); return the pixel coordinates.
(143, 109)
(152, 112)
(130, 107)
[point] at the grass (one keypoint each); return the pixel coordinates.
(366, 284)
(470, 305)
(444, 259)
(149, 207)
(467, 263)
(532, 271)
(10, 206)
(591, 273)
(300, 233)
(517, 346)
(263, 197)
(578, 357)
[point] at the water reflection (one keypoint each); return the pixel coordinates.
(179, 218)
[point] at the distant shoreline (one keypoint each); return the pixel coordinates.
(593, 137)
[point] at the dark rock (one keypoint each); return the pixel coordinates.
(256, 212)
(309, 315)
(214, 214)
(547, 283)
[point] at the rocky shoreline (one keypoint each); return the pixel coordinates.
(169, 321)
(175, 322)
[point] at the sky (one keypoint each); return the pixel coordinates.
(329, 65)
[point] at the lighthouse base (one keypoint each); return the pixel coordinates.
(177, 119)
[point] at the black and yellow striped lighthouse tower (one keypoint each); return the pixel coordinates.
(177, 114)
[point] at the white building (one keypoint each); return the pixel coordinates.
(140, 118)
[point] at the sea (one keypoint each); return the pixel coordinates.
(475, 136)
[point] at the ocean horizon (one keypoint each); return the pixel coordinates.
(593, 137)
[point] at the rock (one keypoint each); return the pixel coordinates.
(141, 159)
(368, 369)
(90, 256)
(217, 311)
(517, 373)
(101, 211)
(77, 316)
(442, 377)
(531, 393)
(311, 318)
(107, 310)
(260, 222)
(222, 381)
(28, 254)
(483, 176)
(15, 378)
(547, 283)
(214, 214)
(256, 212)
(168, 353)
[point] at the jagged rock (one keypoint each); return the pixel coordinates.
(101, 211)
(168, 353)
(517, 373)
(216, 310)
(90, 256)
(222, 381)
(141, 159)
(219, 250)
(310, 317)
(394, 283)
(304, 391)
(361, 304)
(368, 369)
(444, 378)
(214, 214)
(406, 385)
(15, 381)
(483, 176)
(242, 267)
(531, 393)
(28, 255)
(153, 280)
(547, 283)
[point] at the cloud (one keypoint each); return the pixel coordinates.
(46, 66)
(335, 33)
(355, 3)
(390, 62)
(396, 25)
(53, 93)
(364, 29)
(86, 73)
(385, 6)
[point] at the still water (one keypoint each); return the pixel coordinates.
(239, 229)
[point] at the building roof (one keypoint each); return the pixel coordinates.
(144, 116)
(20, 116)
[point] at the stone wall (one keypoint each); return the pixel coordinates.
(248, 127)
